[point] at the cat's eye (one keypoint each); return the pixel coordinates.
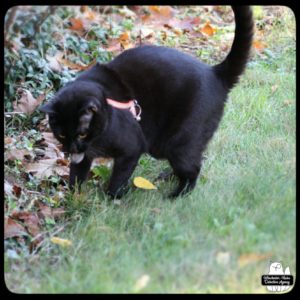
(62, 136)
(82, 136)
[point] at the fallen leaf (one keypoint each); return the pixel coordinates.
(88, 13)
(48, 212)
(8, 188)
(141, 283)
(8, 140)
(288, 102)
(30, 220)
(155, 210)
(61, 242)
(76, 24)
(45, 210)
(51, 145)
(127, 45)
(124, 40)
(146, 32)
(114, 46)
(58, 212)
(223, 258)
(13, 229)
(49, 138)
(187, 24)
(249, 258)
(19, 154)
(159, 15)
(62, 162)
(46, 168)
(274, 88)
(75, 66)
(127, 13)
(143, 183)
(27, 104)
(208, 29)
(54, 63)
(11, 253)
(17, 190)
(162, 11)
(258, 45)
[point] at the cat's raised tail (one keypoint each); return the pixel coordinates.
(235, 62)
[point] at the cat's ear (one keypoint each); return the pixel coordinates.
(47, 108)
(92, 107)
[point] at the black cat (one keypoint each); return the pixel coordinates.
(181, 101)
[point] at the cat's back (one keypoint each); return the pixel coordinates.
(158, 58)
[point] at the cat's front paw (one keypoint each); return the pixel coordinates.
(117, 194)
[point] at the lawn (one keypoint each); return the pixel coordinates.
(219, 239)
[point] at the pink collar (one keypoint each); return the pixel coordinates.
(131, 105)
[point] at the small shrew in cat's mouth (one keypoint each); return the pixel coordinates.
(76, 158)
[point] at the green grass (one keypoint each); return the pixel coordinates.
(244, 203)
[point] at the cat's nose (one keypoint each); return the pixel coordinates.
(73, 149)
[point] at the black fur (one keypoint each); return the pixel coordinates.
(182, 104)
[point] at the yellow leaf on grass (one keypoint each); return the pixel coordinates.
(141, 283)
(223, 258)
(249, 258)
(143, 183)
(61, 242)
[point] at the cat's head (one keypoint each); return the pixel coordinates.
(77, 114)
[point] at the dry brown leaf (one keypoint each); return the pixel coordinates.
(46, 168)
(114, 46)
(75, 66)
(249, 258)
(13, 229)
(155, 210)
(208, 29)
(76, 24)
(146, 32)
(162, 11)
(30, 220)
(17, 190)
(54, 63)
(27, 104)
(127, 45)
(288, 102)
(125, 36)
(8, 140)
(48, 212)
(58, 212)
(13, 154)
(187, 24)
(259, 45)
(44, 210)
(52, 146)
(127, 13)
